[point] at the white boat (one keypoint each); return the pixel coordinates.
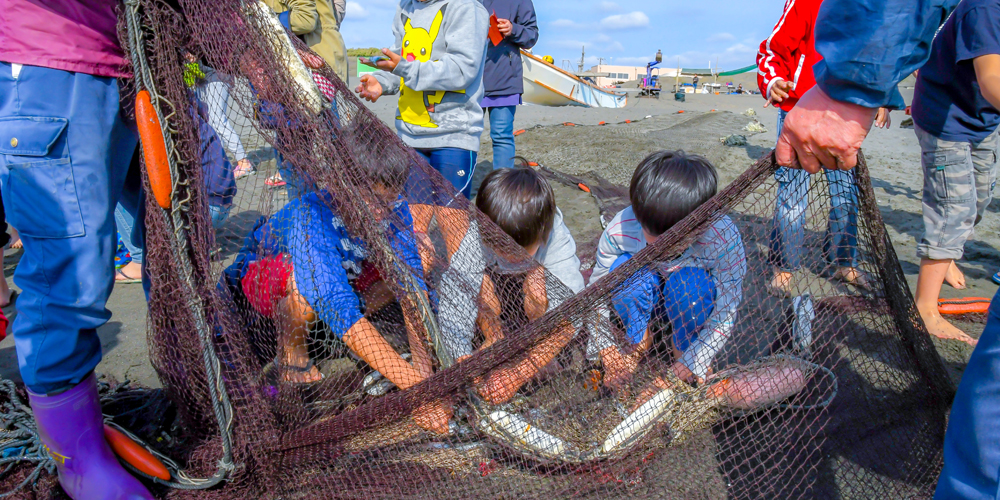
(547, 85)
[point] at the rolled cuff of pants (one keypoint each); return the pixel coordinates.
(949, 197)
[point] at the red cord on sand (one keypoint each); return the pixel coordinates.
(519, 132)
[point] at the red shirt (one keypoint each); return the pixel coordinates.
(789, 53)
(71, 35)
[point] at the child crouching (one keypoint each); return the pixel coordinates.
(522, 204)
(695, 297)
(302, 265)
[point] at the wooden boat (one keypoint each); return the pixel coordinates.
(547, 85)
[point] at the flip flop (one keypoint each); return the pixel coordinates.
(241, 172)
(127, 279)
(298, 369)
(996, 278)
(275, 181)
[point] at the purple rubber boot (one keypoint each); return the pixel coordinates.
(71, 426)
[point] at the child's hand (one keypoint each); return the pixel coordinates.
(779, 92)
(390, 63)
(882, 119)
(370, 89)
(685, 374)
(505, 26)
(434, 416)
(618, 368)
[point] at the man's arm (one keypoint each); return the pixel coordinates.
(302, 18)
(988, 76)
(869, 46)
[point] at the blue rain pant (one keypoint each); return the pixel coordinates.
(972, 443)
(65, 150)
(684, 300)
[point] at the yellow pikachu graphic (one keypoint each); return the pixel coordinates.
(415, 107)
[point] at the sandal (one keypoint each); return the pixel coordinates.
(996, 278)
(275, 181)
(244, 170)
(125, 279)
(298, 369)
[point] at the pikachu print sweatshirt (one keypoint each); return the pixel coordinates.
(440, 76)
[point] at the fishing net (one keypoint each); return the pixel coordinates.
(265, 330)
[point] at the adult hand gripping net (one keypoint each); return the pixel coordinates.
(833, 392)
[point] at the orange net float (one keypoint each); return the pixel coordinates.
(154, 149)
(965, 305)
(134, 454)
(519, 132)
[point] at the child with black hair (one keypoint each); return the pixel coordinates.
(696, 295)
(522, 204)
(302, 265)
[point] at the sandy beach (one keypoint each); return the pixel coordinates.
(612, 150)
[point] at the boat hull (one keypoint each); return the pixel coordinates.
(547, 85)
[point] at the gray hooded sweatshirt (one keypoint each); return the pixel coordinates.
(440, 79)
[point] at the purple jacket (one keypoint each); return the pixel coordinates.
(71, 35)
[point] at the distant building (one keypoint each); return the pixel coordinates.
(613, 75)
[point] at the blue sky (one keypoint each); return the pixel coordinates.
(621, 32)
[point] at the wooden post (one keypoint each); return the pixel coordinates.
(677, 77)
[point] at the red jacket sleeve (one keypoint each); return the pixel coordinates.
(778, 56)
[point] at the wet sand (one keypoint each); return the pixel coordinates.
(612, 150)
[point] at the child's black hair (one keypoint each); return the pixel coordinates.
(669, 185)
(519, 201)
(384, 164)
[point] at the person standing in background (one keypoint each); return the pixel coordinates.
(694, 81)
(317, 23)
(503, 75)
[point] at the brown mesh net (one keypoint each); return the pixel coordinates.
(361, 333)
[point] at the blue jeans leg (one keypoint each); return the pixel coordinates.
(60, 187)
(455, 165)
(788, 229)
(130, 209)
(840, 244)
(502, 134)
(971, 452)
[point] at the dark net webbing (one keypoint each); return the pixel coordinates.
(862, 398)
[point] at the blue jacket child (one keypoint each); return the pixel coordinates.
(502, 75)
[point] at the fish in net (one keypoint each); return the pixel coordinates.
(363, 332)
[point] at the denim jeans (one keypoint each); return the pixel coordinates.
(455, 165)
(502, 134)
(219, 215)
(788, 229)
(971, 455)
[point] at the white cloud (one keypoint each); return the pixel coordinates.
(721, 37)
(564, 23)
(609, 6)
(356, 11)
(635, 19)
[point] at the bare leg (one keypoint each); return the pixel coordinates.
(15, 239)
(852, 275)
(932, 273)
(293, 319)
(955, 277)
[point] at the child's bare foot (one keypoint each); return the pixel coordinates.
(955, 277)
(852, 276)
(15, 239)
(305, 373)
(942, 329)
(781, 284)
(6, 294)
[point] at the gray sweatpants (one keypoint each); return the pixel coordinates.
(958, 186)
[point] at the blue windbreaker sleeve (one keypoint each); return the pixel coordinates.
(320, 277)
(404, 243)
(869, 46)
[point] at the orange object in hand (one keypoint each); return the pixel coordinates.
(154, 149)
(137, 456)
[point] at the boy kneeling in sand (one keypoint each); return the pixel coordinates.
(302, 265)
(694, 298)
(522, 204)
